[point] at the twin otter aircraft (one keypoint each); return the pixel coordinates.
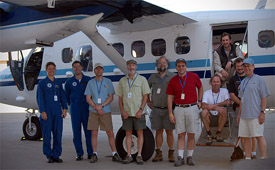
(114, 31)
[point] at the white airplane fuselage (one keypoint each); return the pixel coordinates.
(200, 37)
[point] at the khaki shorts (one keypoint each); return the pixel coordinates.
(104, 121)
(250, 128)
(187, 119)
(160, 119)
(133, 123)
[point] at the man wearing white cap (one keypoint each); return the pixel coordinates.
(99, 94)
(251, 116)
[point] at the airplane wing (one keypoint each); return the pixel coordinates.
(119, 15)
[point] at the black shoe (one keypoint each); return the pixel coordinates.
(190, 161)
(116, 158)
(89, 156)
(79, 158)
(179, 162)
(50, 160)
(57, 160)
(94, 158)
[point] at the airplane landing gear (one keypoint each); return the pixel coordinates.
(31, 127)
(148, 144)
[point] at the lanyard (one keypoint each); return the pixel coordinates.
(217, 97)
(160, 79)
(240, 78)
(244, 85)
(98, 90)
(132, 82)
(182, 87)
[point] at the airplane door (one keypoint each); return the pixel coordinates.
(33, 67)
(16, 63)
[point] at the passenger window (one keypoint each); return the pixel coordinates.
(84, 55)
(158, 47)
(120, 48)
(138, 49)
(67, 55)
(266, 39)
(182, 45)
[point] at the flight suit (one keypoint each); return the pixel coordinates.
(50, 99)
(79, 110)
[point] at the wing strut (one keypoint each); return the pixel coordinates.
(88, 27)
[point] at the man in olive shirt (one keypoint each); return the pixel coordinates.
(133, 90)
(160, 115)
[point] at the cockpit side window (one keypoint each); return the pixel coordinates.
(67, 55)
(84, 55)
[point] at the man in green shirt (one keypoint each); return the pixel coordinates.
(160, 115)
(133, 90)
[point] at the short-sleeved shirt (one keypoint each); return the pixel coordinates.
(252, 91)
(234, 83)
(155, 82)
(213, 98)
(139, 88)
(192, 82)
(100, 90)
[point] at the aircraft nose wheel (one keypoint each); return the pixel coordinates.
(33, 132)
(148, 144)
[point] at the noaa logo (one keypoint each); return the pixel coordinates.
(49, 85)
(74, 84)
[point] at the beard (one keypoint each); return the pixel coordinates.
(162, 69)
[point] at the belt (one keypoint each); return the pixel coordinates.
(186, 105)
(160, 107)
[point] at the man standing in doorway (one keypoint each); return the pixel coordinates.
(159, 115)
(182, 91)
(224, 57)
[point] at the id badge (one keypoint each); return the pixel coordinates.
(55, 98)
(158, 91)
(129, 95)
(99, 100)
(182, 96)
(242, 100)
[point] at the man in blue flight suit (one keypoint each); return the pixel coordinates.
(50, 99)
(79, 109)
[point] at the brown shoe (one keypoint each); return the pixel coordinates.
(171, 157)
(254, 157)
(158, 156)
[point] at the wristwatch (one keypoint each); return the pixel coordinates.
(141, 108)
(102, 105)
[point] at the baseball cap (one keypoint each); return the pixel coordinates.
(98, 65)
(248, 61)
(131, 61)
(179, 60)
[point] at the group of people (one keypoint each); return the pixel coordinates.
(176, 101)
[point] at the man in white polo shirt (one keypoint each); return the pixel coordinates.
(213, 103)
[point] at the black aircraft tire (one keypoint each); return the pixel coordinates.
(148, 144)
(35, 132)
